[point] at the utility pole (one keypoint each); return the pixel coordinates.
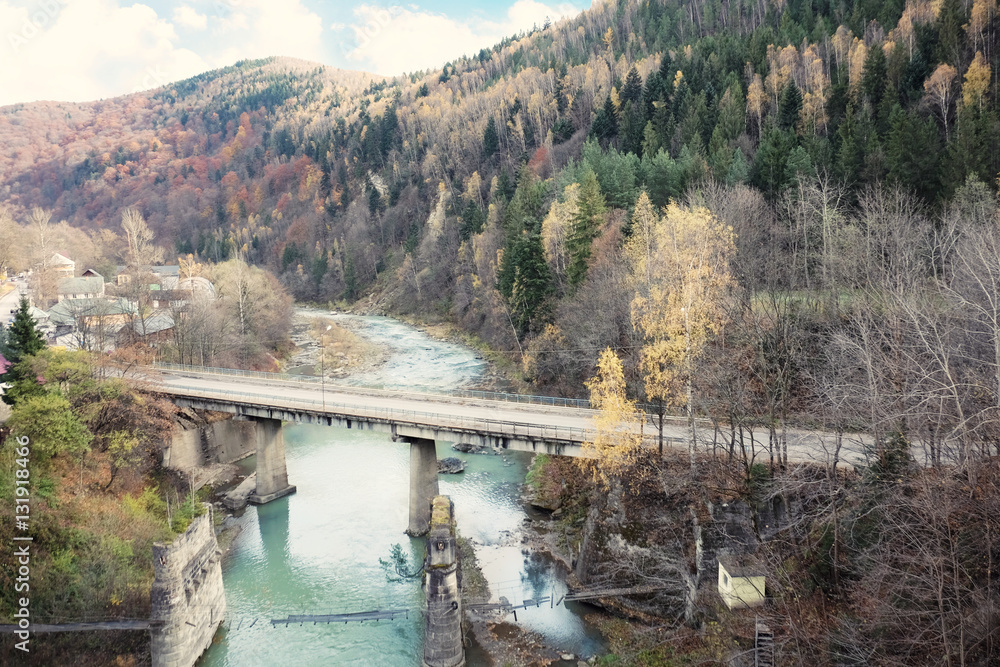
(322, 369)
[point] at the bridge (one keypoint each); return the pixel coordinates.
(537, 424)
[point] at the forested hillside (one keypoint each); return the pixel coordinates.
(843, 143)
(762, 214)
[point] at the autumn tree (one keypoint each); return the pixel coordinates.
(940, 91)
(255, 306)
(617, 424)
(683, 281)
(142, 252)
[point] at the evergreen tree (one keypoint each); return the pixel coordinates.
(789, 106)
(472, 221)
(632, 128)
(739, 170)
(650, 93)
(586, 227)
(912, 153)
(560, 93)
(632, 92)
(491, 140)
(663, 123)
(873, 76)
(769, 166)
(851, 156)
(525, 280)
(799, 164)
(526, 207)
(23, 340)
(667, 71)
(606, 123)
(374, 201)
(663, 178)
(951, 17)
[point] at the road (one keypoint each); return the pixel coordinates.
(566, 422)
(10, 300)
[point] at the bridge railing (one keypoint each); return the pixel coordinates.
(526, 399)
(395, 415)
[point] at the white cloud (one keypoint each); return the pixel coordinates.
(86, 49)
(189, 18)
(262, 28)
(79, 50)
(405, 39)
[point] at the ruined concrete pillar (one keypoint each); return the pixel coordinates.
(423, 483)
(272, 475)
(188, 600)
(443, 646)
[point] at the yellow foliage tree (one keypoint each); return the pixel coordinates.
(682, 284)
(617, 441)
(756, 101)
(939, 90)
(977, 82)
(556, 228)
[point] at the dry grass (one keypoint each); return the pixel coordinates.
(340, 348)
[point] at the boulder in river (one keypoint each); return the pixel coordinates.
(451, 465)
(469, 448)
(237, 498)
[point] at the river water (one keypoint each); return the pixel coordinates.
(317, 551)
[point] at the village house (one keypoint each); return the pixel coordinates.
(80, 288)
(62, 266)
(740, 585)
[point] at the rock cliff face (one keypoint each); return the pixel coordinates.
(201, 439)
(668, 534)
(187, 596)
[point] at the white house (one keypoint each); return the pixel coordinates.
(740, 586)
(80, 288)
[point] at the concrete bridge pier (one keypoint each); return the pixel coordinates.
(423, 482)
(443, 645)
(272, 475)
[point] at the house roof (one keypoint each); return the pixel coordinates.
(197, 286)
(65, 312)
(61, 260)
(90, 273)
(740, 567)
(81, 285)
(153, 324)
(166, 270)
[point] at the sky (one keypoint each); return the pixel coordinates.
(82, 50)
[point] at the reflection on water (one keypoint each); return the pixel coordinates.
(317, 552)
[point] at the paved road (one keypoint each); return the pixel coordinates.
(10, 301)
(568, 423)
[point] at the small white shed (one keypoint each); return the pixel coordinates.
(740, 586)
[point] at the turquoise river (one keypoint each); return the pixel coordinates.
(317, 552)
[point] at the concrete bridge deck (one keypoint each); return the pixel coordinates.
(534, 424)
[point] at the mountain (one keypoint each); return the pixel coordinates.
(439, 191)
